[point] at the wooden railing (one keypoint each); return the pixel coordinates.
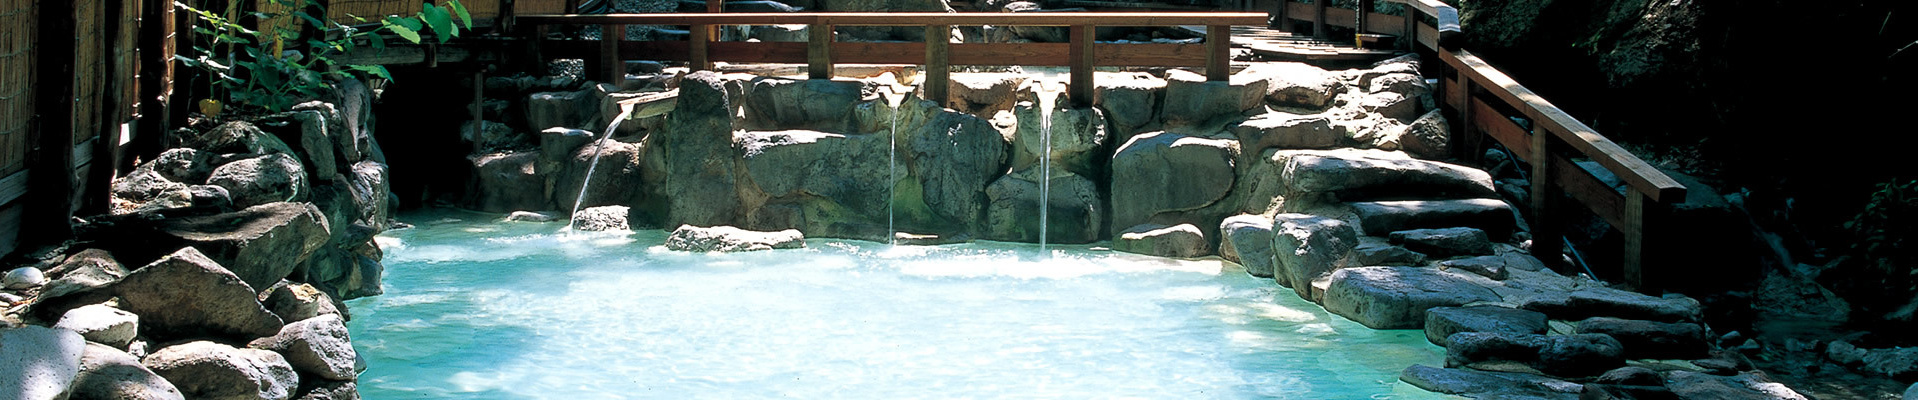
(937, 53)
(1408, 27)
(1485, 102)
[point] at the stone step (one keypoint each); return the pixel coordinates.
(1379, 218)
(1355, 174)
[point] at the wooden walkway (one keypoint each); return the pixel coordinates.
(1277, 45)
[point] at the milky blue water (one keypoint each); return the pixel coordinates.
(477, 309)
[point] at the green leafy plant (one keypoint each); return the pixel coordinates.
(1883, 232)
(251, 67)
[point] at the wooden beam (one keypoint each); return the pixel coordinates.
(50, 141)
(106, 143)
(1318, 19)
(912, 19)
(612, 67)
(1547, 243)
(1484, 119)
(819, 51)
(1409, 32)
(1029, 54)
(1359, 17)
(699, 49)
(156, 80)
(937, 83)
(1218, 53)
(13, 186)
(1083, 56)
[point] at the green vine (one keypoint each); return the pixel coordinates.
(251, 68)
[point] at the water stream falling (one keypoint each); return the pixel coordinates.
(895, 98)
(1046, 98)
(572, 219)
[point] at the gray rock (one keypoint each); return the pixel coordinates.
(984, 94)
(1073, 215)
(1590, 302)
(1693, 385)
(1306, 248)
(39, 363)
(1355, 174)
(237, 137)
(1442, 322)
(1912, 392)
(1384, 217)
(1648, 339)
(145, 190)
(1373, 251)
(532, 216)
(333, 390)
(603, 218)
(1287, 132)
(1899, 363)
(1165, 172)
(1636, 376)
(1486, 266)
(1131, 102)
(367, 183)
(616, 175)
(1391, 105)
(107, 373)
(183, 165)
(261, 244)
(316, 142)
(208, 370)
(23, 277)
(1444, 242)
(1397, 297)
(849, 171)
(729, 239)
(82, 279)
(297, 302)
(809, 104)
(1488, 385)
(505, 182)
(956, 156)
(1179, 241)
(1297, 85)
(317, 346)
(1078, 135)
(265, 179)
(1429, 137)
(186, 294)
(102, 324)
(1844, 353)
(693, 158)
(1247, 240)
(1191, 100)
(577, 109)
(1564, 355)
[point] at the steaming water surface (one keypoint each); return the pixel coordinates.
(488, 310)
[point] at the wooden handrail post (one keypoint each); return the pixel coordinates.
(938, 80)
(1547, 243)
(1642, 215)
(697, 40)
(1218, 53)
(1279, 19)
(612, 66)
(1318, 19)
(1081, 58)
(1360, 15)
(819, 51)
(1411, 36)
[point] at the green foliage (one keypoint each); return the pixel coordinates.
(1883, 233)
(248, 67)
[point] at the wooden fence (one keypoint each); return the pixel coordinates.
(937, 53)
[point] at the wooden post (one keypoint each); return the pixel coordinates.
(1081, 58)
(1318, 19)
(612, 66)
(1547, 243)
(105, 148)
(50, 138)
(1218, 53)
(714, 6)
(938, 81)
(1279, 18)
(479, 110)
(1641, 215)
(1411, 35)
(1360, 15)
(819, 51)
(1462, 95)
(156, 80)
(506, 15)
(697, 39)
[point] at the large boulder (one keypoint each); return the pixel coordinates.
(1307, 248)
(1179, 241)
(1247, 240)
(1562, 355)
(261, 244)
(603, 218)
(1073, 213)
(1489, 385)
(83, 279)
(1131, 102)
(186, 294)
(616, 178)
(1397, 297)
(576, 109)
(983, 95)
(1650, 339)
(102, 324)
(317, 346)
(332, 390)
(850, 171)
(297, 302)
(1590, 302)
(1280, 130)
(1898, 363)
(1442, 322)
(1166, 172)
(1297, 85)
(729, 239)
(692, 160)
(236, 137)
(38, 363)
(506, 182)
(366, 181)
(265, 179)
(1384, 217)
(1695, 385)
(1193, 104)
(107, 373)
(1077, 134)
(1357, 174)
(955, 156)
(208, 370)
(1429, 137)
(809, 104)
(316, 139)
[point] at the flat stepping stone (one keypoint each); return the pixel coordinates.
(1481, 384)
(1397, 297)
(728, 239)
(1383, 217)
(1178, 241)
(1442, 322)
(1361, 174)
(1445, 242)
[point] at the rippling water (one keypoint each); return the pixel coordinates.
(476, 309)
